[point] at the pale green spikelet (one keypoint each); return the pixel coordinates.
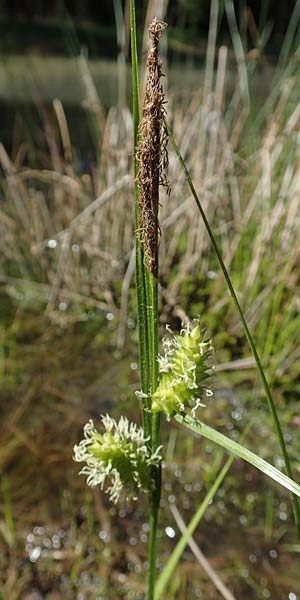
(119, 456)
(185, 367)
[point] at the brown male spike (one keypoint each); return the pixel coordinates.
(152, 154)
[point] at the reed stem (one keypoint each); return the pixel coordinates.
(147, 173)
(142, 318)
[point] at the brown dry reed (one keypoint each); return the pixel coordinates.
(152, 151)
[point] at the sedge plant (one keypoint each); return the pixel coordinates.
(125, 459)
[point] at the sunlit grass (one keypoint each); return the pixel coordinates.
(248, 179)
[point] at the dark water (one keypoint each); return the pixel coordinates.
(27, 82)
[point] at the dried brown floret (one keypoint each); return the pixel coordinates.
(152, 152)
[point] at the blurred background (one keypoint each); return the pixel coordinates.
(67, 309)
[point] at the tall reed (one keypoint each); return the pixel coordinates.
(150, 164)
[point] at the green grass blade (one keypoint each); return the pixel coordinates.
(179, 548)
(240, 451)
(250, 340)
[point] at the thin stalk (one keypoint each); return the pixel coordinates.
(250, 340)
(153, 322)
(147, 178)
(152, 550)
(149, 202)
(152, 304)
(140, 268)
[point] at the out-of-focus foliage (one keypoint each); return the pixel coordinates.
(40, 24)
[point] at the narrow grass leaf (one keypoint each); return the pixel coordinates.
(256, 461)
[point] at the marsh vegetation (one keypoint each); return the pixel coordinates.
(69, 335)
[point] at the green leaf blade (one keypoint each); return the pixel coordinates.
(238, 450)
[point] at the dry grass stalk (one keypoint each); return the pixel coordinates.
(152, 154)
